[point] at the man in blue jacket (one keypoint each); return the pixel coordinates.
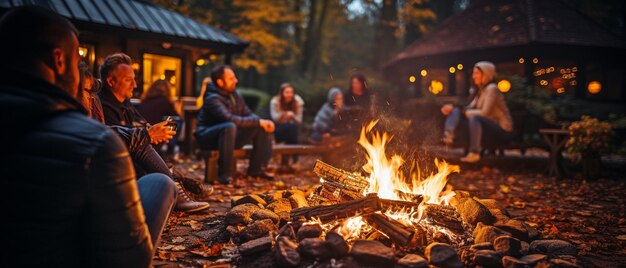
(225, 122)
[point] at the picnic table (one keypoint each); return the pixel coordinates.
(555, 138)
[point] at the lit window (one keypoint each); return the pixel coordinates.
(159, 67)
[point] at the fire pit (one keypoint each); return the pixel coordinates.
(384, 219)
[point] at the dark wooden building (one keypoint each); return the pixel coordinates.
(554, 46)
(163, 44)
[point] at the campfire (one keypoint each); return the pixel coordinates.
(380, 217)
(409, 214)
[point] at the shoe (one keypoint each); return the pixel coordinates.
(471, 158)
(262, 175)
(194, 186)
(226, 181)
(184, 203)
(447, 139)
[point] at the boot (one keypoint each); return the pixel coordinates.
(185, 204)
(196, 187)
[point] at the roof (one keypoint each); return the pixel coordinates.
(139, 17)
(511, 23)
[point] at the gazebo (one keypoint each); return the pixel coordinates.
(163, 43)
(552, 45)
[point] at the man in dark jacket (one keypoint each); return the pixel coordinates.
(225, 122)
(85, 207)
(118, 82)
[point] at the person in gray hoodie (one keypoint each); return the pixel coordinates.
(487, 114)
(325, 123)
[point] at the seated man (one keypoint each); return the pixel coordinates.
(225, 122)
(85, 207)
(118, 82)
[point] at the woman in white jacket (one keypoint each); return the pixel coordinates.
(487, 114)
(286, 110)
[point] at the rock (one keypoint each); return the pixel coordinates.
(552, 247)
(284, 217)
(252, 199)
(287, 231)
(280, 205)
(443, 255)
(533, 233)
(512, 262)
(265, 214)
(481, 246)
(257, 229)
(286, 253)
(315, 248)
(474, 212)
(298, 201)
(532, 259)
(289, 193)
(309, 231)
(507, 246)
(337, 245)
(412, 261)
(233, 231)
(241, 214)
(275, 196)
(563, 263)
(256, 245)
(372, 253)
(517, 228)
(525, 247)
(487, 258)
(485, 233)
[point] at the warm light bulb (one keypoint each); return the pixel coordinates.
(459, 66)
(412, 79)
(594, 87)
(504, 86)
(423, 72)
(452, 70)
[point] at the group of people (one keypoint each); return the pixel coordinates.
(225, 122)
(85, 185)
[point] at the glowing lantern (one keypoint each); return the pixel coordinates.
(504, 86)
(452, 70)
(435, 87)
(412, 79)
(594, 87)
(423, 73)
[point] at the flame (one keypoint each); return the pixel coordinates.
(386, 178)
(387, 181)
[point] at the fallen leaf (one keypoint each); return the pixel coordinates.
(166, 247)
(178, 240)
(178, 248)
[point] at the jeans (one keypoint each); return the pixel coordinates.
(288, 133)
(158, 195)
(225, 137)
(147, 160)
(479, 129)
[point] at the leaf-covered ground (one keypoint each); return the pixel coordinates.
(591, 214)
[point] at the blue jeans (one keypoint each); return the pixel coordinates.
(158, 195)
(288, 133)
(225, 137)
(478, 129)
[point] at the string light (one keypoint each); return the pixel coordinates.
(423, 73)
(452, 70)
(535, 60)
(504, 86)
(200, 62)
(459, 66)
(412, 79)
(521, 60)
(594, 87)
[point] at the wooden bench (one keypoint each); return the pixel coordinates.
(211, 157)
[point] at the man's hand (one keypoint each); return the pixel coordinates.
(160, 132)
(446, 109)
(267, 125)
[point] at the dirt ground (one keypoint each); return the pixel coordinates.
(589, 213)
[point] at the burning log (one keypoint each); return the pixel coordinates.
(398, 233)
(339, 178)
(417, 198)
(396, 205)
(445, 216)
(367, 205)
